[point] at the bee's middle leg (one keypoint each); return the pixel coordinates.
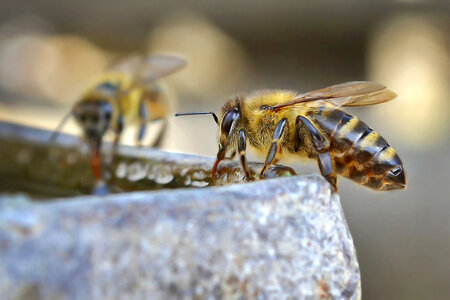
(278, 132)
(143, 120)
(117, 132)
(242, 144)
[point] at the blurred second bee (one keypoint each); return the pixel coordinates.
(126, 95)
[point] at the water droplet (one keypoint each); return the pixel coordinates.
(164, 178)
(121, 170)
(136, 171)
(198, 175)
(188, 180)
(199, 183)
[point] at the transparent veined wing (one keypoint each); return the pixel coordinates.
(149, 68)
(355, 93)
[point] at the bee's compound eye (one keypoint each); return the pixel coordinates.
(228, 119)
(396, 171)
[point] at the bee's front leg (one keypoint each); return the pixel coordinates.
(278, 132)
(100, 186)
(96, 162)
(326, 168)
(322, 146)
(242, 144)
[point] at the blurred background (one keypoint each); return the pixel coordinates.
(51, 50)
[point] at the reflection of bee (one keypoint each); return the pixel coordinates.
(282, 123)
(125, 95)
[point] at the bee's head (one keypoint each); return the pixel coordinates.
(229, 125)
(228, 133)
(94, 117)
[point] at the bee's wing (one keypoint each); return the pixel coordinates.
(129, 65)
(159, 65)
(355, 93)
(150, 68)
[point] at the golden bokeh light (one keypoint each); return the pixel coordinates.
(43, 64)
(218, 64)
(410, 54)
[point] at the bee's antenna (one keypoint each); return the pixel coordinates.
(200, 113)
(59, 127)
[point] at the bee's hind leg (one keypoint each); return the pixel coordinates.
(278, 132)
(144, 118)
(321, 145)
(326, 168)
(161, 134)
(241, 148)
(142, 130)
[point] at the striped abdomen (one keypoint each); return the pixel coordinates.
(360, 153)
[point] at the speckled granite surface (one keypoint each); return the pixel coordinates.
(283, 238)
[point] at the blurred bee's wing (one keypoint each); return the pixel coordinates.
(128, 65)
(156, 66)
(355, 93)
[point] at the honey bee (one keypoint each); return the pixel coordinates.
(279, 124)
(125, 95)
